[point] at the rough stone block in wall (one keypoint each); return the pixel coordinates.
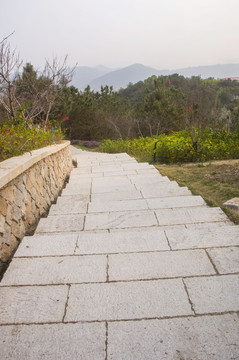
(27, 190)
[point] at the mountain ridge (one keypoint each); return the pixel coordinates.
(99, 76)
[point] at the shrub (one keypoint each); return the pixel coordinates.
(179, 146)
(19, 138)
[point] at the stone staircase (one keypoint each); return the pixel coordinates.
(127, 265)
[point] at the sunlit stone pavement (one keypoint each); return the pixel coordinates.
(127, 265)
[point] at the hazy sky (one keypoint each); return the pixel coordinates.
(165, 34)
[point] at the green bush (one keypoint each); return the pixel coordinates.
(180, 147)
(15, 139)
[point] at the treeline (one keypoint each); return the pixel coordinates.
(158, 105)
(154, 106)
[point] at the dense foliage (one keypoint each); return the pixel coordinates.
(179, 146)
(18, 138)
(190, 110)
(152, 107)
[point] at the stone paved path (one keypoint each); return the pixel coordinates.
(128, 265)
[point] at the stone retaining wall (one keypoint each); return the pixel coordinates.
(29, 184)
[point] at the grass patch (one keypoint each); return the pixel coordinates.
(216, 182)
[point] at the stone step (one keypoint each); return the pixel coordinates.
(55, 270)
(119, 195)
(189, 215)
(127, 300)
(47, 245)
(32, 304)
(137, 240)
(121, 219)
(61, 223)
(58, 341)
(178, 338)
(159, 265)
(205, 236)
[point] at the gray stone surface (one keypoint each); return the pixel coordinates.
(120, 282)
(167, 190)
(60, 223)
(176, 201)
(76, 189)
(121, 241)
(214, 294)
(226, 260)
(53, 341)
(32, 304)
(114, 205)
(200, 338)
(68, 205)
(127, 300)
(189, 215)
(107, 168)
(203, 236)
(107, 184)
(118, 220)
(119, 195)
(166, 264)
(118, 173)
(47, 245)
(56, 270)
(232, 204)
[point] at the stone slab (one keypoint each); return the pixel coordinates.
(138, 166)
(226, 260)
(153, 180)
(118, 173)
(68, 205)
(121, 241)
(15, 166)
(47, 245)
(164, 191)
(201, 338)
(147, 171)
(203, 237)
(119, 195)
(60, 223)
(232, 204)
(120, 219)
(127, 300)
(82, 170)
(79, 181)
(89, 176)
(116, 180)
(114, 205)
(156, 265)
(176, 201)
(32, 304)
(215, 294)
(107, 168)
(53, 341)
(55, 270)
(109, 188)
(217, 224)
(76, 189)
(189, 215)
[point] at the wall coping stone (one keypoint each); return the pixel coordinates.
(15, 166)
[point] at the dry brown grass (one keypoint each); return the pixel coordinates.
(216, 181)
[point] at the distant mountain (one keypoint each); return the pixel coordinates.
(101, 76)
(84, 75)
(214, 71)
(122, 77)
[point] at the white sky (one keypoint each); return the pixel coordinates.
(165, 34)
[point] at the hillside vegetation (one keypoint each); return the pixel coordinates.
(155, 106)
(200, 116)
